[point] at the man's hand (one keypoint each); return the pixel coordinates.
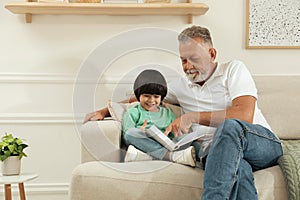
(180, 125)
(97, 115)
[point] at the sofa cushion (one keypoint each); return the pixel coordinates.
(157, 180)
(278, 98)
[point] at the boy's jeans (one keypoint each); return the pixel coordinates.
(237, 149)
(140, 140)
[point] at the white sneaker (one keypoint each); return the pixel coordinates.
(134, 154)
(186, 156)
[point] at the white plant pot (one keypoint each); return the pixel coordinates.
(11, 166)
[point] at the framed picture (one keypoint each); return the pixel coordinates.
(273, 24)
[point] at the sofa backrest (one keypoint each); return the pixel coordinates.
(279, 101)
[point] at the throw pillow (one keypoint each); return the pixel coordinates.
(117, 110)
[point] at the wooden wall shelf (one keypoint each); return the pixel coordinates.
(40, 8)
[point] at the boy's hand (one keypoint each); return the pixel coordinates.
(143, 127)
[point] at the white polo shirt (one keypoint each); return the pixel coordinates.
(229, 81)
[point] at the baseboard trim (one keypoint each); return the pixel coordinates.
(40, 189)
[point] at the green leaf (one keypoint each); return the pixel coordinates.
(7, 153)
(18, 141)
(3, 144)
(11, 147)
(3, 157)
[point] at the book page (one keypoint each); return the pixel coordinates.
(189, 138)
(160, 137)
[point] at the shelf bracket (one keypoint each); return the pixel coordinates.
(190, 17)
(28, 16)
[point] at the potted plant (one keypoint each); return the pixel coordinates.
(11, 153)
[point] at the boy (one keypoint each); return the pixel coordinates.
(150, 88)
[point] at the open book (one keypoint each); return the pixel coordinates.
(160, 137)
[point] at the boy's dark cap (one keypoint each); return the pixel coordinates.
(149, 76)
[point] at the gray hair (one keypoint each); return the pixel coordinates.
(195, 32)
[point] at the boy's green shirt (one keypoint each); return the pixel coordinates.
(135, 117)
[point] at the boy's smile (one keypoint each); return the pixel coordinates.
(150, 102)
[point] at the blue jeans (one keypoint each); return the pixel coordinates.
(238, 149)
(140, 140)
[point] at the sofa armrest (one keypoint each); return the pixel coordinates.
(101, 140)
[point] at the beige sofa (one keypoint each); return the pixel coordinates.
(110, 178)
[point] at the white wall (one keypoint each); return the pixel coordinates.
(39, 63)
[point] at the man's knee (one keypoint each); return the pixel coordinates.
(231, 125)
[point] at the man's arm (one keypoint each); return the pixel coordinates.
(104, 112)
(97, 115)
(242, 108)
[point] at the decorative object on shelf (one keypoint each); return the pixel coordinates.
(273, 24)
(85, 1)
(11, 153)
(121, 1)
(157, 1)
(51, 1)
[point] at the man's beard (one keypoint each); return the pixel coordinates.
(196, 76)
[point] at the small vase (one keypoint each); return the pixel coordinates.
(11, 166)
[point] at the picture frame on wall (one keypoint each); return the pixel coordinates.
(273, 24)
